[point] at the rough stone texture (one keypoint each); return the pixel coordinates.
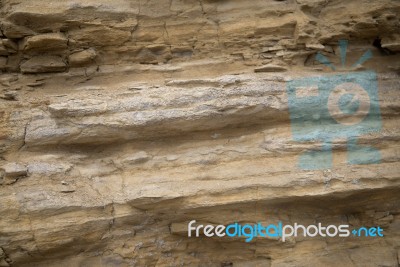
(162, 112)
(82, 58)
(43, 64)
(3, 63)
(49, 42)
(10, 172)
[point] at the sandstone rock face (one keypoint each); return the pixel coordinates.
(44, 42)
(43, 64)
(81, 58)
(123, 120)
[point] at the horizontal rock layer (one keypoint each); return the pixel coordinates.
(155, 32)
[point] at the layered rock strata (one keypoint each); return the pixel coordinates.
(121, 121)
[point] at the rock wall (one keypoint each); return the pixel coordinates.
(123, 120)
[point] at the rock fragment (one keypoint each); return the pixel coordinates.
(49, 42)
(82, 58)
(14, 31)
(315, 46)
(392, 43)
(11, 172)
(43, 64)
(270, 68)
(3, 63)
(10, 95)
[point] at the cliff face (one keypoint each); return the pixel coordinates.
(123, 120)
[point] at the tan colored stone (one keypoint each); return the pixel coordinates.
(167, 122)
(3, 50)
(392, 43)
(315, 46)
(3, 63)
(11, 172)
(49, 42)
(14, 170)
(99, 35)
(270, 68)
(43, 64)
(82, 58)
(13, 31)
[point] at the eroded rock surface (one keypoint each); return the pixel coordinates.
(121, 121)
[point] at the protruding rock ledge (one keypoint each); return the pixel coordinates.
(270, 68)
(43, 64)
